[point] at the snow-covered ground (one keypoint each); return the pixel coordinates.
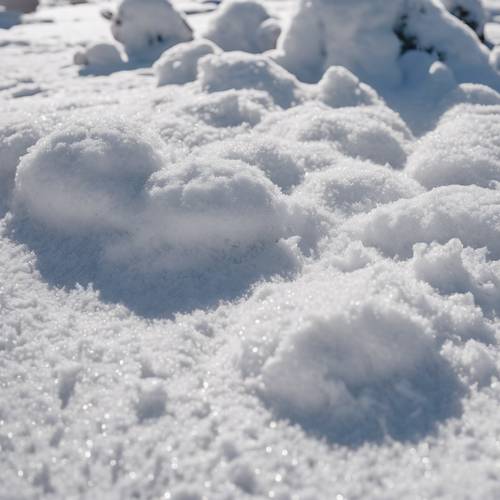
(218, 281)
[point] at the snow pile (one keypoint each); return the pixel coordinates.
(108, 184)
(469, 213)
(179, 64)
(238, 70)
(335, 354)
(100, 55)
(339, 88)
(321, 34)
(355, 186)
(371, 133)
(243, 25)
(146, 28)
(463, 149)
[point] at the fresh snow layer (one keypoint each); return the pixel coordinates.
(219, 281)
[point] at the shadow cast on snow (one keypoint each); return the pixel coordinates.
(405, 411)
(65, 262)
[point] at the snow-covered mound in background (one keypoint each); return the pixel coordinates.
(471, 12)
(243, 25)
(146, 28)
(180, 64)
(368, 37)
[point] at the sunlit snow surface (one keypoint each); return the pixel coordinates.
(240, 284)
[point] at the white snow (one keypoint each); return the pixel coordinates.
(146, 28)
(321, 34)
(243, 25)
(220, 280)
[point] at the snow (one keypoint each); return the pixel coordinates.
(221, 279)
(146, 28)
(179, 64)
(382, 31)
(463, 149)
(243, 25)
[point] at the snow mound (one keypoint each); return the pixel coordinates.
(469, 213)
(346, 361)
(451, 269)
(103, 55)
(284, 162)
(146, 28)
(204, 207)
(369, 132)
(146, 230)
(239, 70)
(463, 149)
(321, 35)
(86, 176)
(179, 64)
(355, 186)
(339, 88)
(243, 25)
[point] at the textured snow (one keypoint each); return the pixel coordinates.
(321, 34)
(243, 25)
(219, 281)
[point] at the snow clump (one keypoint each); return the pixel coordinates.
(243, 25)
(146, 28)
(101, 55)
(179, 64)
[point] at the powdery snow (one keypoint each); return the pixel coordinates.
(220, 281)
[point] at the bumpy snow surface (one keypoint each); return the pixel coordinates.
(220, 282)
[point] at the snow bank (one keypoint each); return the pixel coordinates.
(371, 133)
(243, 25)
(469, 213)
(463, 149)
(179, 64)
(321, 35)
